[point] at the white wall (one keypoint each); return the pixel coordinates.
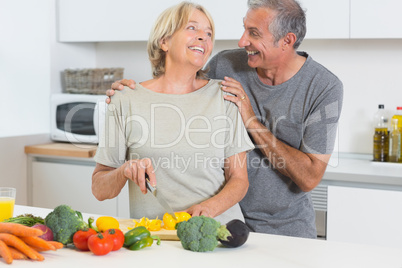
(31, 60)
(24, 66)
(369, 69)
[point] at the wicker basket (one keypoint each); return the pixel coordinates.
(91, 81)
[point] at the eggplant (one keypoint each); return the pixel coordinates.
(236, 234)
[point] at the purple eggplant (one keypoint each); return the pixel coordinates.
(236, 235)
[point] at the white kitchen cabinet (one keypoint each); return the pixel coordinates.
(376, 19)
(124, 20)
(364, 216)
(327, 19)
(65, 182)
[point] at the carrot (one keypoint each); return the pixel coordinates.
(38, 242)
(37, 249)
(17, 255)
(14, 241)
(5, 253)
(19, 229)
(39, 257)
(56, 244)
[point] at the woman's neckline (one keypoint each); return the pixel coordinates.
(206, 85)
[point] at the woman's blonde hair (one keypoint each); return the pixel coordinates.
(168, 23)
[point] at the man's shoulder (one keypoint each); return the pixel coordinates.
(227, 62)
(317, 68)
(231, 54)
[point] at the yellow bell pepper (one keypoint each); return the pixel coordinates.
(155, 225)
(104, 223)
(151, 225)
(169, 223)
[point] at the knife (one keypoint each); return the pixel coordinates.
(160, 199)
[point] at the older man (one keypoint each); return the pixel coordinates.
(290, 105)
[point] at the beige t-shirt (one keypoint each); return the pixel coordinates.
(186, 136)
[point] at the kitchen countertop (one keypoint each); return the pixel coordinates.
(359, 168)
(59, 149)
(261, 250)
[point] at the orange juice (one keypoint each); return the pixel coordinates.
(6, 207)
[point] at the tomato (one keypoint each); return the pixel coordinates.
(80, 238)
(106, 222)
(117, 236)
(100, 244)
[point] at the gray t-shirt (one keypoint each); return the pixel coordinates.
(187, 137)
(302, 112)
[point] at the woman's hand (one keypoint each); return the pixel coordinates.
(200, 209)
(137, 171)
(119, 85)
(240, 98)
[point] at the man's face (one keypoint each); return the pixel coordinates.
(258, 41)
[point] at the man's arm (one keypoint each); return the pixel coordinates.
(306, 170)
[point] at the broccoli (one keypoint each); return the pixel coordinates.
(64, 222)
(199, 233)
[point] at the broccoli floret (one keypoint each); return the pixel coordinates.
(64, 222)
(199, 233)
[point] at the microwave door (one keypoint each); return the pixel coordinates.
(99, 118)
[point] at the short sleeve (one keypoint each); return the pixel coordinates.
(112, 143)
(237, 139)
(322, 123)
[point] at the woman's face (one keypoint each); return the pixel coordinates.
(191, 45)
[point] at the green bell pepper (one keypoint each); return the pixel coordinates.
(139, 238)
(143, 243)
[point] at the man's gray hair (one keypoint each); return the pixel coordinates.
(290, 18)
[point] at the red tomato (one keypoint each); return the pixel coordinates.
(100, 244)
(117, 237)
(80, 238)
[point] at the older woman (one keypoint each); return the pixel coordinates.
(176, 128)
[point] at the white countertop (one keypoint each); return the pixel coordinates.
(358, 168)
(261, 250)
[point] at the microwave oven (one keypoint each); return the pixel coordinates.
(77, 118)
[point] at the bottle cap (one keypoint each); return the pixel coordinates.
(381, 106)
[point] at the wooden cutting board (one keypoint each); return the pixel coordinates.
(163, 233)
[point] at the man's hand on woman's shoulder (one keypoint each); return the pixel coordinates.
(119, 85)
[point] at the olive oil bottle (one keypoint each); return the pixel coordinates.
(394, 142)
(398, 116)
(381, 137)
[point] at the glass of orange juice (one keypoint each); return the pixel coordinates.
(7, 201)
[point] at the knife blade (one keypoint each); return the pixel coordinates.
(160, 198)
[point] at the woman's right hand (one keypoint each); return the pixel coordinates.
(119, 85)
(137, 170)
